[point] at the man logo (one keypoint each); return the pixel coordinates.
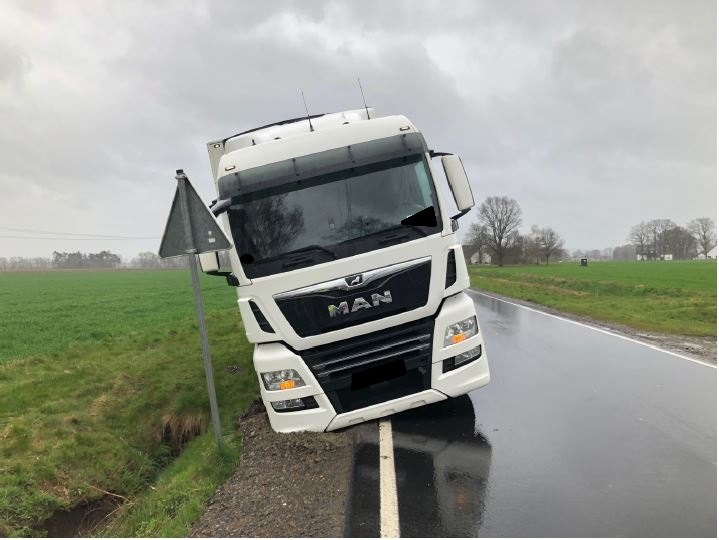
(354, 281)
(360, 303)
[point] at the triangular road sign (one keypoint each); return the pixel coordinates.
(192, 227)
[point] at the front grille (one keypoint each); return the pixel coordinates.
(333, 305)
(402, 353)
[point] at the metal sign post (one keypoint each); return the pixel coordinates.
(185, 235)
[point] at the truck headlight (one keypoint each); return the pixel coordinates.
(454, 362)
(285, 379)
(458, 332)
(290, 405)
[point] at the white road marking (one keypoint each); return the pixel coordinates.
(388, 507)
(602, 330)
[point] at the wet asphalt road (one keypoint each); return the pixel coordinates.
(579, 433)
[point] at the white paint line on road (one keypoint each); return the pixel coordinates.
(602, 330)
(388, 507)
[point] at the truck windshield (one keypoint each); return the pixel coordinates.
(332, 216)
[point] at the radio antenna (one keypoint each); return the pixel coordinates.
(307, 111)
(363, 100)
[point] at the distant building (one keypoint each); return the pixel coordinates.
(472, 256)
(648, 254)
(469, 252)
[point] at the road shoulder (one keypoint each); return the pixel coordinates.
(286, 485)
(701, 348)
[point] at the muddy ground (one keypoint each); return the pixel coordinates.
(701, 348)
(286, 485)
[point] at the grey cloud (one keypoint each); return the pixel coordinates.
(14, 63)
(594, 115)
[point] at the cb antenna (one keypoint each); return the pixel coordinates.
(363, 100)
(307, 111)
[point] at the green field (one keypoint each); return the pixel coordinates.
(102, 391)
(677, 297)
(44, 311)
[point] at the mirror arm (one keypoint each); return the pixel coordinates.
(454, 220)
(231, 278)
(217, 207)
(457, 216)
(433, 154)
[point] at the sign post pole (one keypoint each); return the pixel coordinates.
(192, 229)
(192, 260)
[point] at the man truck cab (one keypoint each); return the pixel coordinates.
(348, 271)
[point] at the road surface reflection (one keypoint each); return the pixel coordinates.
(442, 469)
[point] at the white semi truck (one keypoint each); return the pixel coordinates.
(349, 276)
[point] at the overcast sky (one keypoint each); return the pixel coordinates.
(593, 115)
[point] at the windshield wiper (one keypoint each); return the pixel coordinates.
(297, 261)
(313, 247)
(388, 232)
(302, 261)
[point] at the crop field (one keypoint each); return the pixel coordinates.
(677, 297)
(103, 398)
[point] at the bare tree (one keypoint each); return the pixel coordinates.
(515, 251)
(550, 243)
(477, 239)
(25, 263)
(640, 236)
(146, 259)
(680, 243)
(704, 230)
(502, 216)
(533, 243)
(625, 253)
(657, 229)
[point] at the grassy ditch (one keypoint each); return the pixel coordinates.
(677, 297)
(123, 413)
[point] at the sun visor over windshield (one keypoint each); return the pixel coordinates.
(329, 161)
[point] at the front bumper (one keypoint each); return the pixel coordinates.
(325, 417)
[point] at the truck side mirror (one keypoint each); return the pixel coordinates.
(210, 262)
(458, 183)
(210, 265)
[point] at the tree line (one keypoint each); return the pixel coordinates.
(76, 259)
(658, 238)
(79, 260)
(496, 236)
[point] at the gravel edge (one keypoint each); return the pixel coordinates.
(286, 484)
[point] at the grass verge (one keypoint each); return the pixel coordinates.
(125, 414)
(177, 498)
(677, 297)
